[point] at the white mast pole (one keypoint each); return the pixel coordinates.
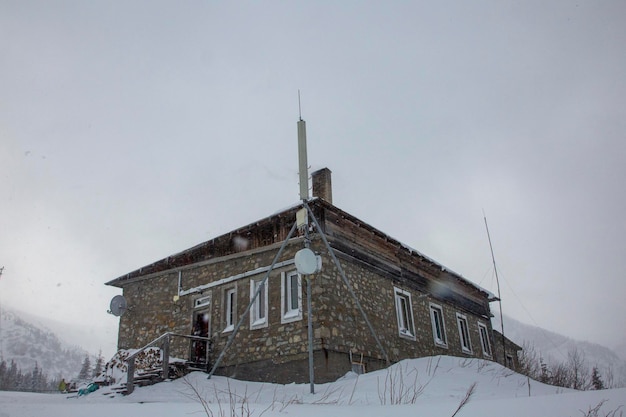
(302, 157)
(303, 170)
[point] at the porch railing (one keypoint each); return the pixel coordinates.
(162, 342)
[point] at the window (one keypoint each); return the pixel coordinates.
(202, 302)
(404, 313)
(291, 298)
(466, 344)
(509, 361)
(439, 328)
(484, 339)
(230, 307)
(258, 312)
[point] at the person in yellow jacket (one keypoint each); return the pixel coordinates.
(62, 385)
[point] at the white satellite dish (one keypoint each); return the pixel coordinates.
(118, 306)
(307, 262)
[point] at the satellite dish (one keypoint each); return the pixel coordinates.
(307, 262)
(118, 306)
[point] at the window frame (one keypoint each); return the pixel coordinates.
(260, 305)
(230, 309)
(509, 361)
(404, 310)
(202, 302)
(290, 314)
(464, 333)
(485, 343)
(438, 318)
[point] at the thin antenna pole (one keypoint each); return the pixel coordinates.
(1, 340)
(309, 308)
(493, 258)
(304, 195)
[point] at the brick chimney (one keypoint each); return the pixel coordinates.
(322, 185)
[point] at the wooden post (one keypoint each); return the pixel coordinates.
(130, 376)
(166, 358)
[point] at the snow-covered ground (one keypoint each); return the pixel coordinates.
(426, 387)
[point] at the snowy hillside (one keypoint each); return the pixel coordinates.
(621, 351)
(27, 344)
(554, 347)
(435, 386)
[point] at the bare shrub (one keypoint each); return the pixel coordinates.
(466, 399)
(238, 405)
(353, 389)
(283, 403)
(396, 390)
(198, 396)
(595, 411)
(429, 369)
(529, 361)
(330, 396)
(579, 369)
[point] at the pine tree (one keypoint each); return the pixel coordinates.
(39, 379)
(34, 379)
(97, 369)
(3, 374)
(85, 371)
(12, 376)
(596, 379)
(20, 381)
(545, 374)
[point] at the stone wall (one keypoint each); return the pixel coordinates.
(278, 352)
(342, 327)
(153, 310)
(511, 359)
(339, 327)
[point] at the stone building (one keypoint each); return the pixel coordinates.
(416, 307)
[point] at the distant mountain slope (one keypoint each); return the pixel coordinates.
(27, 344)
(621, 351)
(554, 347)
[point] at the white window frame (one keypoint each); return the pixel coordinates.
(464, 333)
(404, 311)
(509, 361)
(289, 312)
(436, 317)
(230, 309)
(202, 301)
(259, 310)
(483, 332)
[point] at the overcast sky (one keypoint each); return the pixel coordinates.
(133, 130)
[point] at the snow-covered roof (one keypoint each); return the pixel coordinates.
(490, 295)
(171, 263)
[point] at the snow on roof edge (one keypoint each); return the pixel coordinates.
(490, 295)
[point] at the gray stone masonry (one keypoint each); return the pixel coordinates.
(278, 352)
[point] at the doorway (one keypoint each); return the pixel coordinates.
(201, 324)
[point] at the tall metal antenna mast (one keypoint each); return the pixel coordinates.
(1, 340)
(303, 167)
(493, 258)
(308, 267)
